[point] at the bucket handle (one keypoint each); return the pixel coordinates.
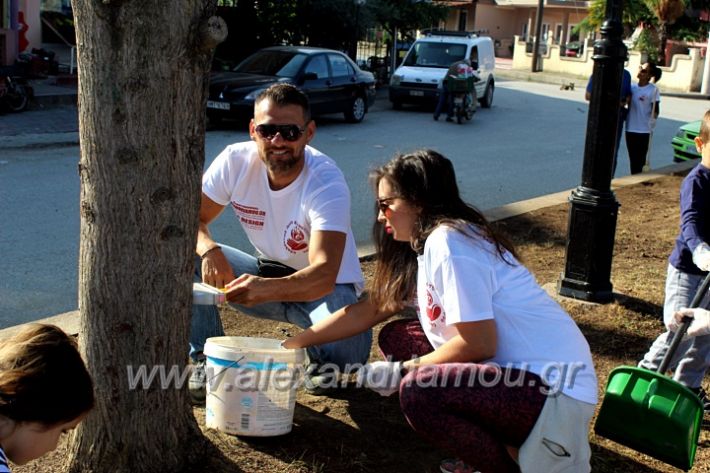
(678, 336)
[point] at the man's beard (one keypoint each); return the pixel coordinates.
(282, 165)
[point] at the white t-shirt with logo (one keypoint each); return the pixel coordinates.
(463, 279)
(279, 223)
(643, 99)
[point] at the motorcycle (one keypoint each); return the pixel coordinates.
(15, 93)
(463, 98)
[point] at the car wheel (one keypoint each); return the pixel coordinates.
(18, 98)
(487, 100)
(396, 105)
(357, 110)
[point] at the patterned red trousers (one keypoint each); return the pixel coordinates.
(472, 410)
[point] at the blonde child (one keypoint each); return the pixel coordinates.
(45, 391)
(687, 266)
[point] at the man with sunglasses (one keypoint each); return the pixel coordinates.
(294, 205)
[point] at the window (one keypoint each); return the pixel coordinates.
(427, 54)
(340, 67)
(474, 55)
(558, 34)
(272, 63)
(318, 66)
(463, 19)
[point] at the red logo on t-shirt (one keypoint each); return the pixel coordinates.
(433, 311)
(295, 238)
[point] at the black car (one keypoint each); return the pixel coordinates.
(333, 83)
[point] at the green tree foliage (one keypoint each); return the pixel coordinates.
(661, 14)
(634, 12)
(406, 15)
(336, 24)
(666, 12)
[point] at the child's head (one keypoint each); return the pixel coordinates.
(702, 141)
(45, 389)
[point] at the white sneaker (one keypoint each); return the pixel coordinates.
(197, 385)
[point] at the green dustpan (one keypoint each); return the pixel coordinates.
(650, 412)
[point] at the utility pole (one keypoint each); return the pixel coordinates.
(705, 87)
(538, 26)
(593, 210)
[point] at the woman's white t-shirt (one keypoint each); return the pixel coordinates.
(463, 279)
(279, 223)
(643, 99)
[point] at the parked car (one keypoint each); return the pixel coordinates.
(574, 49)
(333, 82)
(419, 77)
(683, 144)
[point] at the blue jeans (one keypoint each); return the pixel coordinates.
(623, 112)
(692, 357)
(445, 98)
(206, 321)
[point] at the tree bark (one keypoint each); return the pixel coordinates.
(143, 75)
(662, 41)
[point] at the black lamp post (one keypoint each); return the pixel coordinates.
(593, 210)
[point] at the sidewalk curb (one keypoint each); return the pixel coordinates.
(45, 101)
(41, 140)
(579, 82)
(70, 321)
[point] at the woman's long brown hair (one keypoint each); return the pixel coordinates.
(426, 180)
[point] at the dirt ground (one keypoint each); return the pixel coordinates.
(355, 430)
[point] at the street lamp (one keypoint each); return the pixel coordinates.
(593, 210)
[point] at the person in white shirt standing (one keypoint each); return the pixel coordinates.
(294, 205)
(643, 111)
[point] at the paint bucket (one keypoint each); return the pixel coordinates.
(251, 385)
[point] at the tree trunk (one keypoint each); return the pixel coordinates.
(143, 74)
(662, 40)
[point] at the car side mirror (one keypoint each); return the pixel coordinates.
(474, 65)
(310, 76)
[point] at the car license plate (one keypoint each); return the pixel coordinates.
(416, 93)
(218, 105)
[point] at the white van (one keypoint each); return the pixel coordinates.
(419, 77)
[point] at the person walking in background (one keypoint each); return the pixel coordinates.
(623, 111)
(482, 319)
(687, 266)
(294, 205)
(45, 391)
(643, 111)
(458, 70)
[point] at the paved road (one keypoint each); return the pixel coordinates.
(529, 144)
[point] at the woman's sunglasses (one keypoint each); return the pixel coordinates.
(383, 204)
(287, 132)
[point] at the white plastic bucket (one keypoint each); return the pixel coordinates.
(251, 385)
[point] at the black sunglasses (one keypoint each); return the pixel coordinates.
(287, 132)
(383, 204)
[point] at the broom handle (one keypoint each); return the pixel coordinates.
(678, 336)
